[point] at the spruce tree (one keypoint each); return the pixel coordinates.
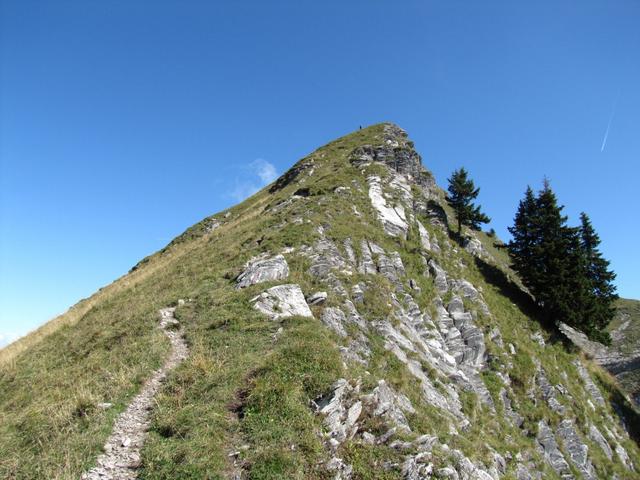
(462, 192)
(548, 256)
(525, 237)
(602, 291)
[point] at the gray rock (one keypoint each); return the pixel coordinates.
(551, 451)
(357, 350)
(515, 417)
(624, 457)
(549, 392)
(496, 337)
(577, 451)
(413, 285)
(340, 414)
(624, 364)
(475, 247)
(538, 338)
(366, 265)
(465, 340)
(326, 256)
(414, 469)
(317, 298)
(447, 472)
(425, 241)
(263, 270)
(440, 277)
(598, 438)
(591, 387)
(342, 470)
(335, 320)
(282, 301)
(524, 473)
(397, 343)
(398, 154)
(348, 248)
(393, 218)
(384, 402)
(325, 260)
(391, 267)
(357, 292)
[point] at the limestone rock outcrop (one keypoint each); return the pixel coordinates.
(263, 269)
(282, 301)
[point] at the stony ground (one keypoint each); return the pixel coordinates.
(121, 457)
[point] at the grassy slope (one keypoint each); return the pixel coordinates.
(240, 390)
(627, 310)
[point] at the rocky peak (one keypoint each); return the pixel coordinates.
(395, 150)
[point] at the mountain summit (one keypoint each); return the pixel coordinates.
(333, 325)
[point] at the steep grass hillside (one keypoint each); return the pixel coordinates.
(406, 352)
(625, 335)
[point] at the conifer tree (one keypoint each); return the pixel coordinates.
(462, 193)
(547, 255)
(525, 237)
(599, 311)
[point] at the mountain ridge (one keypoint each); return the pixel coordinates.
(337, 329)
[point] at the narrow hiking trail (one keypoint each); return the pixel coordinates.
(121, 457)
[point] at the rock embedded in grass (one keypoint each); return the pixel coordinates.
(261, 270)
(282, 301)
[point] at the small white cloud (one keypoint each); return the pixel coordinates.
(265, 170)
(261, 173)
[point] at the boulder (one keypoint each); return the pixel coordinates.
(263, 270)
(282, 301)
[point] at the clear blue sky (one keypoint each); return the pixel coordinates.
(124, 122)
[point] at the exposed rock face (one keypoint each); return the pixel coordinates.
(263, 270)
(576, 449)
(292, 174)
(344, 410)
(619, 363)
(595, 393)
(598, 438)
(425, 239)
(392, 268)
(393, 218)
(440, 277)
(385, 402)
(552, 452)
(282, 301)
(335, 319)
(549, 392)
(397, 153)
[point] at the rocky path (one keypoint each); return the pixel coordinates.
(121, 457)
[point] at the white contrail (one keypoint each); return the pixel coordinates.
(613, 112)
